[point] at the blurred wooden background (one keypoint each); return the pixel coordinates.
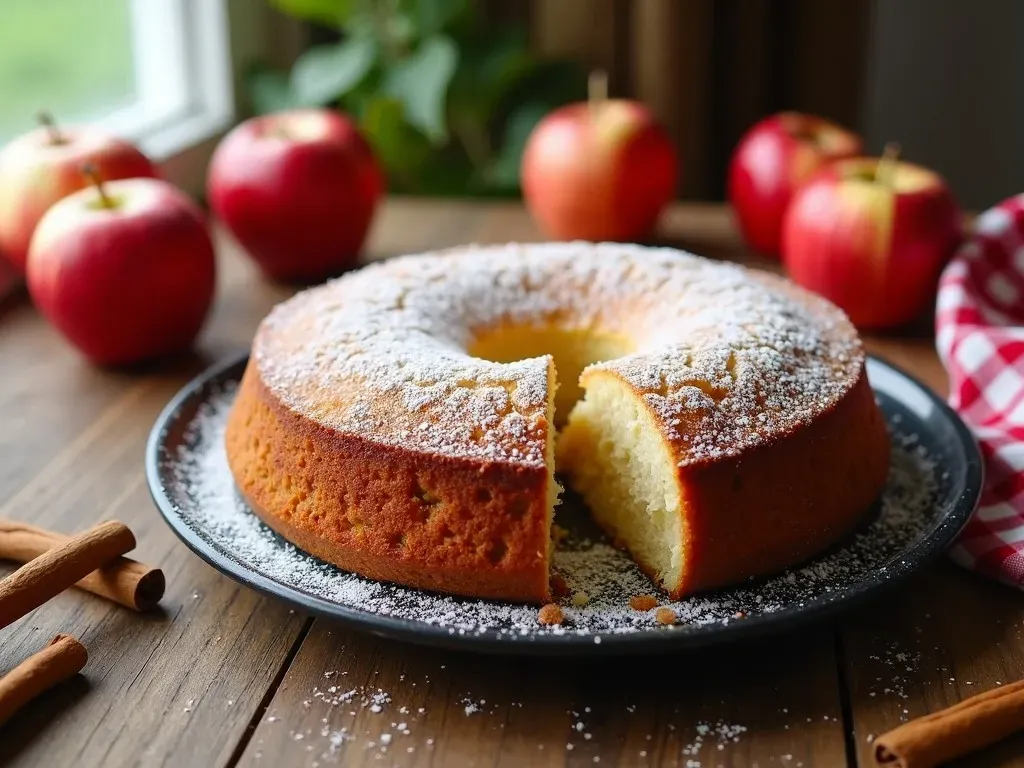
(710, 68)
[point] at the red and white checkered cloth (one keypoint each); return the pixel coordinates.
(980, 337)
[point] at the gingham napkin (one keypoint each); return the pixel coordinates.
(980, 337)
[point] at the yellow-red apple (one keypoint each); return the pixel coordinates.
(124, 270)
(298, 190)
(44, 165)
(771, 161)
(872, 238)
(598, 170)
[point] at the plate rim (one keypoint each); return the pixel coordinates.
(925, 550)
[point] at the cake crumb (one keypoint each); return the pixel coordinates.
(550, 614)
(642, 602)
(665, 616)
(580, 599)
(558, 586)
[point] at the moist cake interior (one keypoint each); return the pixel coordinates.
(608, 444)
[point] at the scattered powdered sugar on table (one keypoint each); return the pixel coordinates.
(719, 733)
(348, 725)
(199, 484)
(899, 663)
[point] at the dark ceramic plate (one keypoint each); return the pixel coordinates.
(934, 484)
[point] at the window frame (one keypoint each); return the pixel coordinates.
(221, 38)
(183, 76)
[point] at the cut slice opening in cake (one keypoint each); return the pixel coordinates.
(613, 454)
(609, 447)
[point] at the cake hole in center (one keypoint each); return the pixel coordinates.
(572, 351)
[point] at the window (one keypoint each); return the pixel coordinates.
(155, 71)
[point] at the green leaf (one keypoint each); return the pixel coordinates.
(434, 16)
(445, 173)
(401, 148)
(325, 73)
(507, 62)
(551, 82)
(420, 83)
(332, 13)
(489, 67)
(504, 174)
(269, 90)
(400, 29)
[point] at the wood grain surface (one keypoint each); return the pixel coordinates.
(221, 676)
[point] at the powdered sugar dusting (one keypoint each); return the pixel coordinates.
(350, 726)
(199, 483)
(733, 355)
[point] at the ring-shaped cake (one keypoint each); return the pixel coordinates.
(400, 421)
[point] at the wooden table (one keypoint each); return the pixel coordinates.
(224, 677)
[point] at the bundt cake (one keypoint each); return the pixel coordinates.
(400, 421)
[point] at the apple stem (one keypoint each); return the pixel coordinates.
(93, 174)
(597, 89)
(886, 167)
(46, 120)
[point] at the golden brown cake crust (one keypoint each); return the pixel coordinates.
(365, 433)
(376, 510)
(785, 500)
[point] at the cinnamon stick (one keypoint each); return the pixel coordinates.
(125, 581)
(63, 658)
(59, 568)
(950, 733)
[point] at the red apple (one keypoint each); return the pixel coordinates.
(125, 271)
(872, 243)
(771, 161)
(298, 190)
(41, 167)
(598, 170)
